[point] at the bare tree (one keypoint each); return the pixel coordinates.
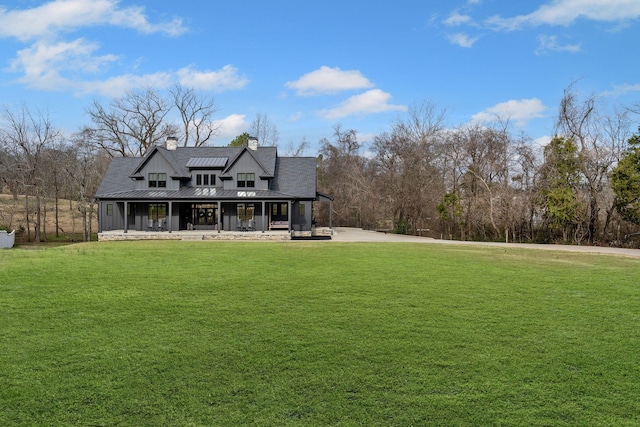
(85, 166)
(197, 116)
(27, 136)
(263, 128)
(341, 174)
(407, 159)
(598, 141)
(130, 125)
(296, 151)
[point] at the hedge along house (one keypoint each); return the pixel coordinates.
(208, 188)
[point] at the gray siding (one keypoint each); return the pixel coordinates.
(157, 164)
(246, 164)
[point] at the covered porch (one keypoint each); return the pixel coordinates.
(243, 215)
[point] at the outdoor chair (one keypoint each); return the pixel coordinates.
(251, 226)
(238, 225)
(150, 226)
(161, 224)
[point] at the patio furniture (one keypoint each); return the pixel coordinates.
(251, 225)
(150, 225)
(161, 224)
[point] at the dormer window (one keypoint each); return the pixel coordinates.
(157, 180)
(205, 180)
(246, 180)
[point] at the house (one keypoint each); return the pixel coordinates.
(208, 188)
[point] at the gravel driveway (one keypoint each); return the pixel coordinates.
(344, 234)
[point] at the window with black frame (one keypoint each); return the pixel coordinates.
(246, 180)
(157, 211)
(157, 180)
(246, 211)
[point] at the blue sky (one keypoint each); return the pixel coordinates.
(312, 65)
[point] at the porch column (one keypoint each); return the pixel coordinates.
(330, 212)
(263, 216)
(219, 216)
(126, 217)
(100, 217)
(290, 216)
(170, 216)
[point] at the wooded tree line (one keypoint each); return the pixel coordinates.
(421, 176)
(39, 163)
(485, 182)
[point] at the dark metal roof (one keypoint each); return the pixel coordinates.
(207, 162)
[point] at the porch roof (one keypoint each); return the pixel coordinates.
(196, 193)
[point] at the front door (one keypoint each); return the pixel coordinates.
(279, 212)
(204, 216)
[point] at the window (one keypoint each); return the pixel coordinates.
(246, 211)
(205, 180)
(301, 209)
(246, 180)
(109, 209)
(158, 180)
(157, 211)
(279, 212)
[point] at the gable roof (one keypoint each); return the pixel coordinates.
(290, 176)
(246, 151)
(169, 159)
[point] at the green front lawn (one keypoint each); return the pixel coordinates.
(319, 333)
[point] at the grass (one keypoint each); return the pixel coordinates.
(238, 333)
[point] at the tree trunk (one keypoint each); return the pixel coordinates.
(26, 214)
(38, 219)
(57, 210)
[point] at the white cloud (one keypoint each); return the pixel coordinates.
(550, 43)
(373, 101)
(295, 117)
(620, 90)
(61, 16)
(462, 39)
(230, 127)
(42, 63)
(119, 85)
(326, 80)
(51, 63)
(565, 12)
(224, 79)
(67, 66)
(456, 19)
(521, 111)
(542, 141)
